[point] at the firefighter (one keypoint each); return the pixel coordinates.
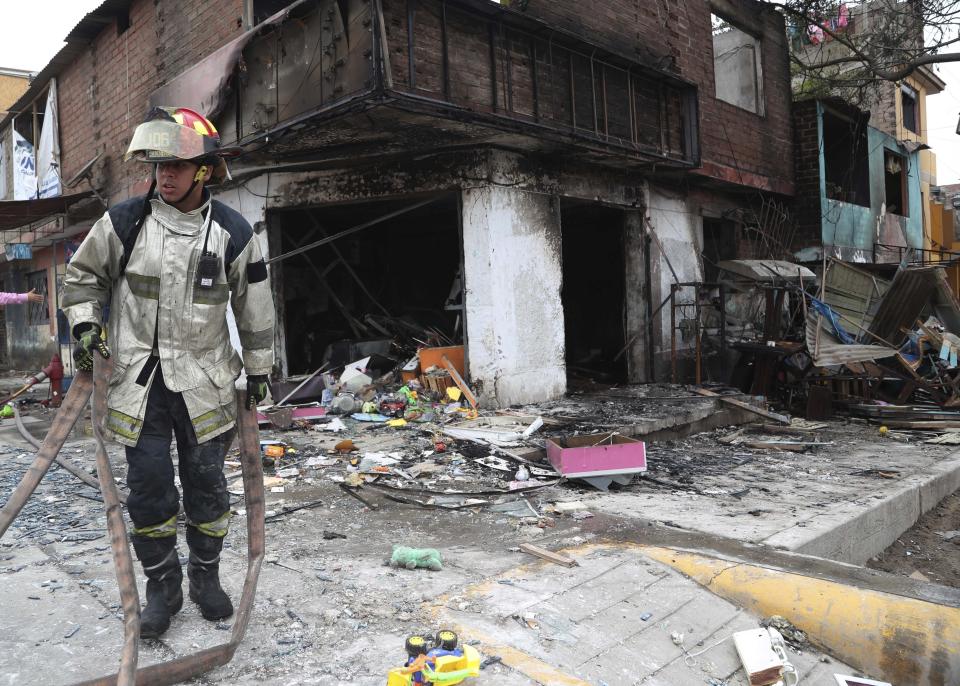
(172, 261)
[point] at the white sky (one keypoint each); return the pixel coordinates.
(943, 111)
(30, 45)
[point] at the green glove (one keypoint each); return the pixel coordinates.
(256, 389)
(89, 340)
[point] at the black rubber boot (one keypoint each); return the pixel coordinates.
(203, 570)
(161, 564)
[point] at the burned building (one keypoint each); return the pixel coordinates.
(528, 179)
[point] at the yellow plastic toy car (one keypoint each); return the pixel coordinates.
(444, 670)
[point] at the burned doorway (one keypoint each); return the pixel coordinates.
(382, 290)
(594, 291)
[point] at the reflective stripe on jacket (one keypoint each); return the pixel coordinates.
(158, 292)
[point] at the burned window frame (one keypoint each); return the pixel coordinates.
(38, 313)
(28, 122)
(717, 19)
(852, 184)
(907, 92)
(888, 180)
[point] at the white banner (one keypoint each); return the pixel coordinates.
(24, 172)
(48, 150)
(4, 169)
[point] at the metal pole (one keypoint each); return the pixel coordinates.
(347, 232)
(673, 333)
(696, 329)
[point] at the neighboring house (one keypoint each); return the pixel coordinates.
(945, 229)
(13, 84)
(894, 116)
(858, 189)
(566, 167)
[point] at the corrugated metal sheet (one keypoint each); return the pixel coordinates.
(767, 270)
(827, 351)
(945, 303)
(17, 213)
(853, 293)
(911, 291)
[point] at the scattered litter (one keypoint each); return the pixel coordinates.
(321, 462)
(949, 535)
(494, 462)
(331, 535)
(345, 446)
(335, 425)
(796, 638)
(371, 460)
(763, 655)
(369, 417)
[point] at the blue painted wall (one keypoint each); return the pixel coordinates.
(853, 229)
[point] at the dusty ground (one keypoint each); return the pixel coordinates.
(929, 547)
(328, 611)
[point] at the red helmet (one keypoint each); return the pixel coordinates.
(178, 133)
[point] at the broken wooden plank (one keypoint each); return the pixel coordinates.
(732, 439)
(792, 446)
(938, 425)
(783, 419)
(549, 556)
(776, 429)
(461, 384)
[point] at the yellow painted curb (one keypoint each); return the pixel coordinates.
(899, 639)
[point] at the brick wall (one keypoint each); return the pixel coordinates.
(677, 34)
(737, 145)
(103, 94)
(807, 160)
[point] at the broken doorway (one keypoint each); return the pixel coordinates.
(594, 292)
(381, 290)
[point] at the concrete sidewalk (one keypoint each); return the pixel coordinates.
(329, 611)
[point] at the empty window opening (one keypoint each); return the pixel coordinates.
(123, 21)
(895, 182)
(719, 244)
(593, 294)
(736, 66)
(381, 291)
(845, 157)
(909, 106)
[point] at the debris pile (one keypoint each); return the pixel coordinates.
(842, 340)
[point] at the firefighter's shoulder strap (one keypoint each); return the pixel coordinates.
(127, 218)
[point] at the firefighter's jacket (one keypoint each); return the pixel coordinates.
(159, 313)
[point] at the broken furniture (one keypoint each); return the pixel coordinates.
(598, 459)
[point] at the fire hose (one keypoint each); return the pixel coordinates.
(188, 666)
(76, 471)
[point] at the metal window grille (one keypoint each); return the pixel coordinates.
(38, 313)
